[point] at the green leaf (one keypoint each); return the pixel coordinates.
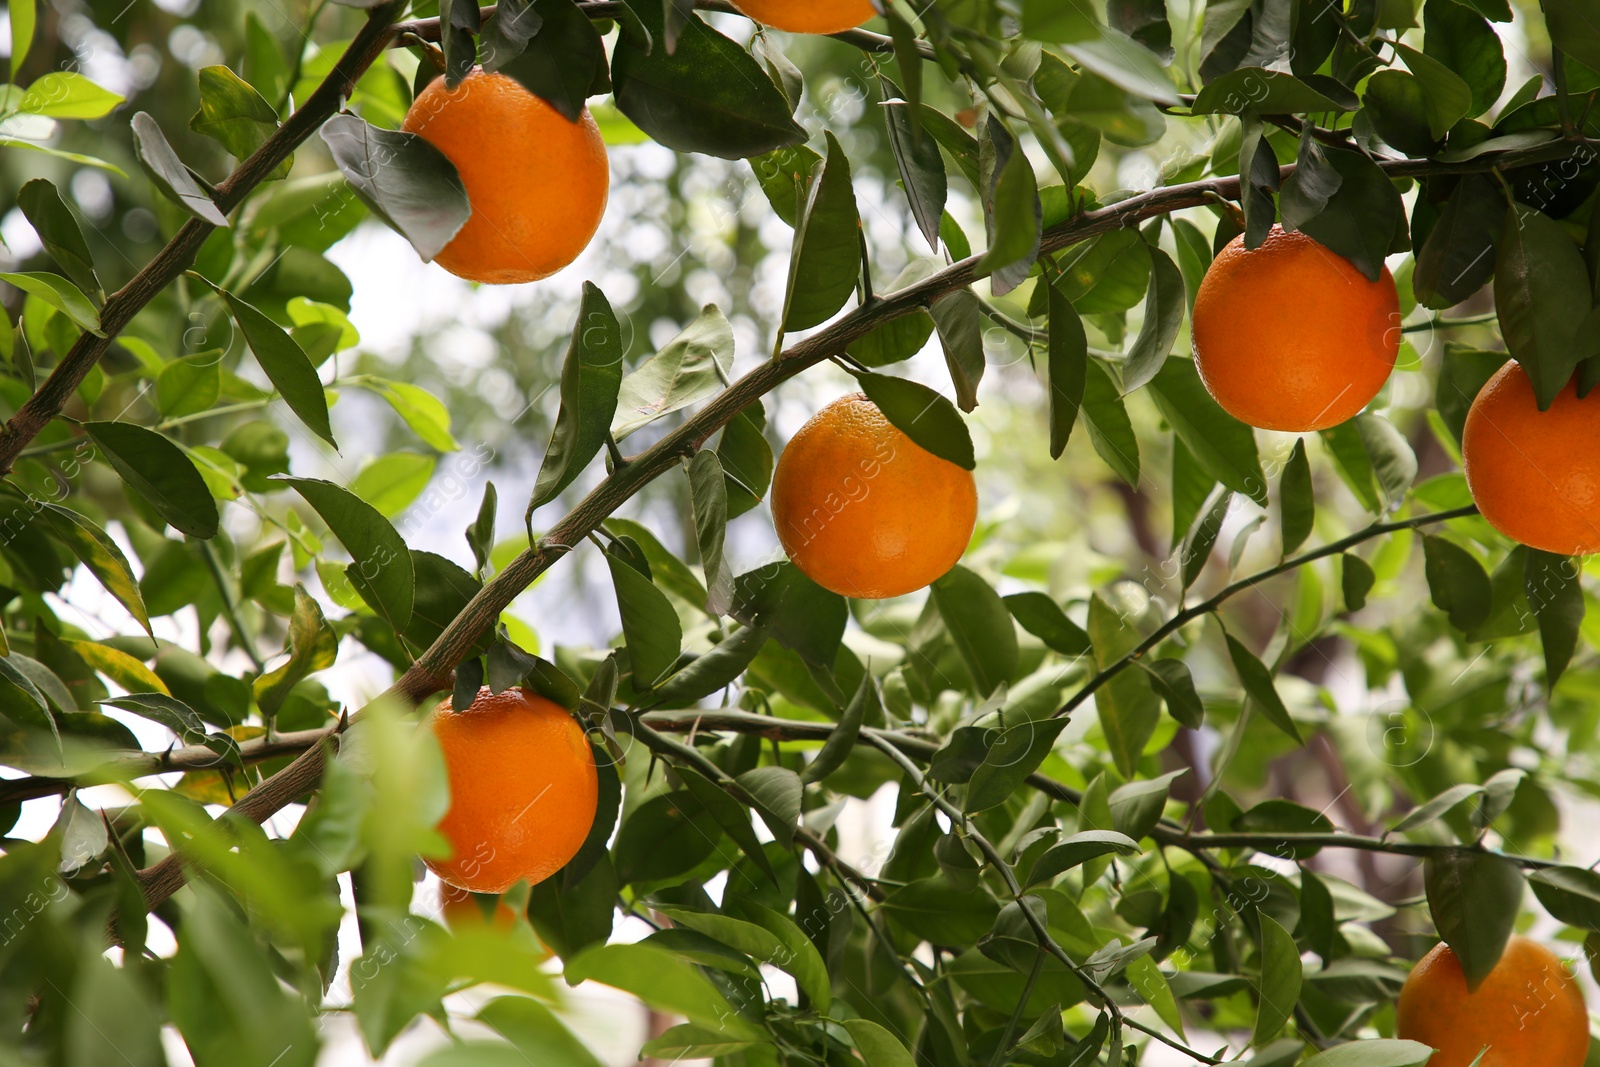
(1137, 806)
(713, 670)
(1458, 256)
(769, 938)
(708, 494)
(425, 413)
(563, 63)
(903, 336)
(1445, 802)
(776, 793)
(1257, 682)
(878, 1047)
(1356, 581)
(917, 158)
(689, 368)
(1473, 897)
(687, 1041)
(1462, 374)
(784, 175)
(286, 365)
(115, 1017)
(404, 180)
(1013, 215)
(1266, 92)
(1127, 707)
(1043, 618)
(923, 415)
(1077, 849)
(959, 318)
(1280, 980)
(58, 231)
(591, 376)
(1353, 461)
(67, 95)
(1119, 60)
(1067, 370)
(1397, 108)
(1015, 753)
(1570, 894)
(1108, 274)
(939, 913)
(746, 459)
(1202, 537)
(1457, 582)
(1572, 28)
(834, 751)
(60, 294)
(1296, 503)
(190, 385)
(1172, 680)
(381, 570)
(1224, 446)
(662, 981)
(707, 95)
(312, 646)
(1542, 293)
(1314, 181)
(665, 837)
(650, 626)
(1382, 1053)
(234, 115)
(393, 481)
(23, 16)
(730, 814)
(1556, 597)
(1393, 462)
(570, 915)
(1110, 430)
(1464, 42)
(1164, 303)
(1364, 219)
(825, 260)
(160, 472)
(95, 549)
(1445, 95)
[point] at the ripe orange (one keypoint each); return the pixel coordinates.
(1535, 474)
(537, 183)
(523, 790)
(809, 16)
(1291, 336)
(863, 510)
(1528, 1011)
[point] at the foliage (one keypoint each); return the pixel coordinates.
(1146, 792)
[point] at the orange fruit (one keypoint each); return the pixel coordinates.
(865, 511)
(1535, 474)
(1528, 1011)
(537, 182)
(809, 16)
(523, 790)
(461, 910)
(1291, 336)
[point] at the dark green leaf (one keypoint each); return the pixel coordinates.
(1110, 430)
(1108, 274)
(708, 95)
(1379, 1053)
(650, 626)
(190, 385)
(1172, 680)
(1202, 537)
(732, 816)
(784, 175)
(1572, 26)
(1044, 619)
(1067, 370)
(160, 472)
(1257, 682)
(831, 756)
(171, 178)
(1457, 582)
(1266, 92)
(824, 263)
(1314, 181)
(776, 792)
(689, 368)
(1393, 462)
(1354, 463)
(1397, 109)
(404, 180)
(709, 498)
(937, 912)
(382, 569)
(1458, 256)
(1462, 374)
(1164, 302)
(1464, 42)
(1296, 502)
(1078, 849)
(800, 614)
(1570, 894)
(1224, 446)
(591, 376)
(1445, 95)
(666, 836)
(959, 318)
(286, 365)
(916, 156)
(1356, 581)
(1541, 290)
(1474, 898)
(1128, 708)
(58, 231)
(1280, 980)
(1011, 211)
(903, 336)
(746, 459)
(923, 415)
(1554, 594)
(1364, 219)
(1014, 753)
(1136, 807)
(563, 63)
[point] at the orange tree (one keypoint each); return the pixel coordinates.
(1153, 799)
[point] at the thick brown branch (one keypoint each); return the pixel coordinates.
(432, 671)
